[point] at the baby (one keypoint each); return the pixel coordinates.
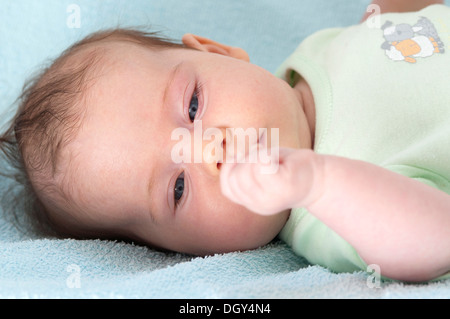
(362, 123)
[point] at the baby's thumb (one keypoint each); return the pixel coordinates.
(225, 186)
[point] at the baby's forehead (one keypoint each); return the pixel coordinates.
(120, 51)
(127, 77)
(125, 58)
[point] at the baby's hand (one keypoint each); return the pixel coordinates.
(267, 189)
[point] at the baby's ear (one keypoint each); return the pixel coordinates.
(207, 45)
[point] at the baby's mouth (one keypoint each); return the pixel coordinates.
(262, 139)
(236, 153)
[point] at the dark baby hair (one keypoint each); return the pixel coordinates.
(49, 112)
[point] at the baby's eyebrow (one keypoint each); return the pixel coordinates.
(171, 77)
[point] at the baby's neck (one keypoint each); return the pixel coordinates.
(309, 108)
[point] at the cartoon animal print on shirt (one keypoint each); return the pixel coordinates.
(406, 43)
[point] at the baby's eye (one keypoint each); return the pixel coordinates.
(179, 188)
(193, 107)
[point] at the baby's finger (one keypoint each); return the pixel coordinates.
(237, 182)
(225, 184)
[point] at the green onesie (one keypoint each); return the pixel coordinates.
(382, 95)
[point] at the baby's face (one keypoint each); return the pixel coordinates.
(122, 168)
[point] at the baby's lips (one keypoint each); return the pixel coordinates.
(262, 141)
(234, 157)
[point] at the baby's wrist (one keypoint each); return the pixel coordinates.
(310, 178)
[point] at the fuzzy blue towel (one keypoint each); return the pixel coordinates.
(31, 32)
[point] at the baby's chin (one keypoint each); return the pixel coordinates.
(254, 242)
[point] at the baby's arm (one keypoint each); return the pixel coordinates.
(393, 221)
(401, 6)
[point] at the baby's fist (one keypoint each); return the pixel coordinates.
(269, 188)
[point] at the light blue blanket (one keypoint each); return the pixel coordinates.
(31, 32)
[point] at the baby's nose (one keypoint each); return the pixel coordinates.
(227, 149)
(214, 153)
